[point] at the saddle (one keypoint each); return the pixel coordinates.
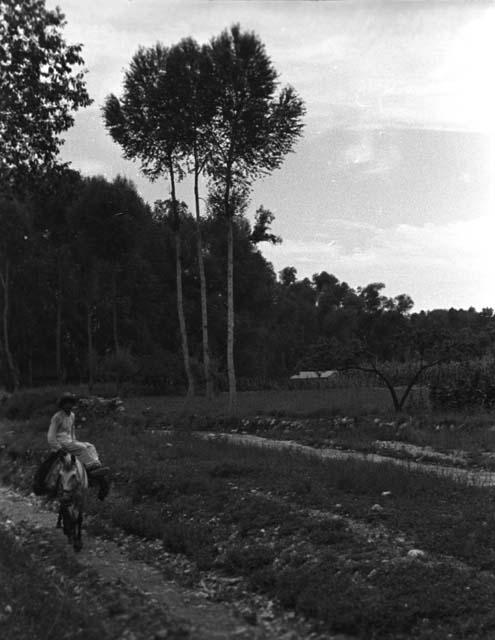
(45, 481)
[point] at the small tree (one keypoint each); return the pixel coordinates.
(60, 190)
(388, 333)
(261, 231)
(120, 366)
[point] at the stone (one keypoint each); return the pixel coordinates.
(376, 508)
(416, 554)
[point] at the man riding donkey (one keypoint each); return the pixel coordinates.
(62, 439)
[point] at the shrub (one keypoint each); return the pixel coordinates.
(118, 366)
(327, 531)
(147, 521)
(248, 558)
(23, 405)
(319, 592)
(464, 387)
(230, 470)
(37, 602)
(161, 372)
(255, 513)
(191, 539)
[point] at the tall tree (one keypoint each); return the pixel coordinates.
(125, 218)
(254, 284)
(52, 219)
(196, 102)
(40, 87)
(148, 124)
(253, 130)
(103, 218)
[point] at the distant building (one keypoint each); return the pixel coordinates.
(308, 375)
(311, 379)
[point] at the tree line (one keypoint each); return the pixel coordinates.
(92, 294)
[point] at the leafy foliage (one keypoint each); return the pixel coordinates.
(470, 386)
(40, 87)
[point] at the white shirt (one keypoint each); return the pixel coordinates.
(61, 430)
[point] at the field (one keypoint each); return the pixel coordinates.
(357, 548)
(350, 401)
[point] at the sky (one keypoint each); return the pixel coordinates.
(393, 180)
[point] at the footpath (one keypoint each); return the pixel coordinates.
(135, 597)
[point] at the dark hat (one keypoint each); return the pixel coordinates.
(67, 398)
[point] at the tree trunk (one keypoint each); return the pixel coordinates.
(180, 298)
(392, 391)
(182, 320)
(114, 311)
(13, 374)
(58, 338)
(58, 327)
(30, 368)
(90, 304)
(89, 319)
(204, 302)
(230, 317)
(415, 379)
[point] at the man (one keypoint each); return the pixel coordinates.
(62, 438)
(62, 434)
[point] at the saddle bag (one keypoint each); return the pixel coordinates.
(45, 478)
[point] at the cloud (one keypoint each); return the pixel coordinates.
(414, 63)
(372, 153)
(438, 265)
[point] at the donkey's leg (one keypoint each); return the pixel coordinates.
(77, 533)
(104, 489)
(68, 523)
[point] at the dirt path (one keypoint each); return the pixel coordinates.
(188, 610)
(467, 476)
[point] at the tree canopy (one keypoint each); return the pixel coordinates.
(41, 86)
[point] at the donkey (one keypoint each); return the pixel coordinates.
(73, 488)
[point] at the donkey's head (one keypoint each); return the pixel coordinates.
(70, 477)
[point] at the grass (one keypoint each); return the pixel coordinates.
(352, 400)
(244, 511)
(35, 606)
(216, 513)
(474, 434)
(322, 410)
(303, 403)
(282, 520)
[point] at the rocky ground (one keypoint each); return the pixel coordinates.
(140, 591)
(133, 597)
(438, 463)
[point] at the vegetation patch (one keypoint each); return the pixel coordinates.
(37, 604)
(455, 440)
(285, 522)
